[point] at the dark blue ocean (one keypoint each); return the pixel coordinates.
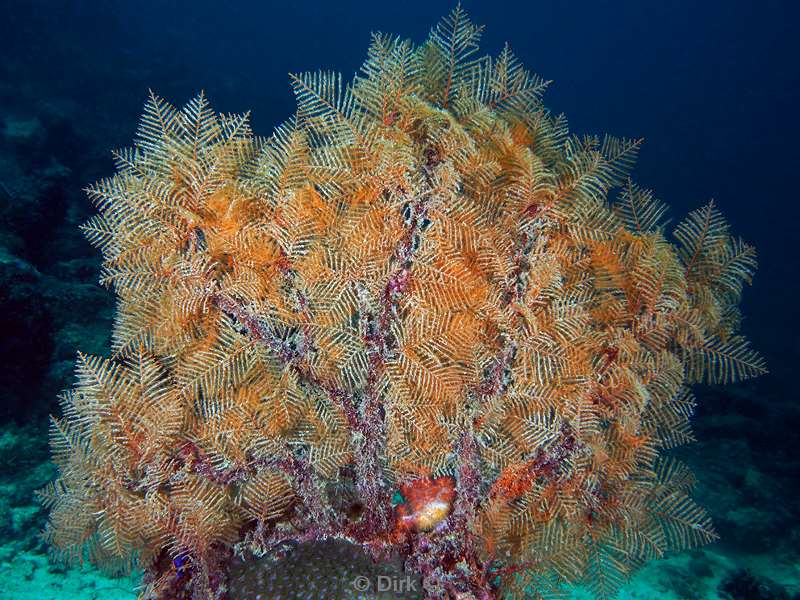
(712, 86)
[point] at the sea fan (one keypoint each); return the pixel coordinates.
(410, 321)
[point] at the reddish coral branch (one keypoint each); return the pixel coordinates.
(548, 462)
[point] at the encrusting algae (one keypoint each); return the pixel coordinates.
(421, 322)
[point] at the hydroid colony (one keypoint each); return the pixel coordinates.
(421, 318)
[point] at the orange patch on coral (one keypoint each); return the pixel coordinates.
(428, 503)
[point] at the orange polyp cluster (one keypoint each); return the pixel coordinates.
(513, 481)
(428, 502)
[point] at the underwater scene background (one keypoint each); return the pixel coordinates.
(712, 87)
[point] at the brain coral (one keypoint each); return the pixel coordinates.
(421, 324)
